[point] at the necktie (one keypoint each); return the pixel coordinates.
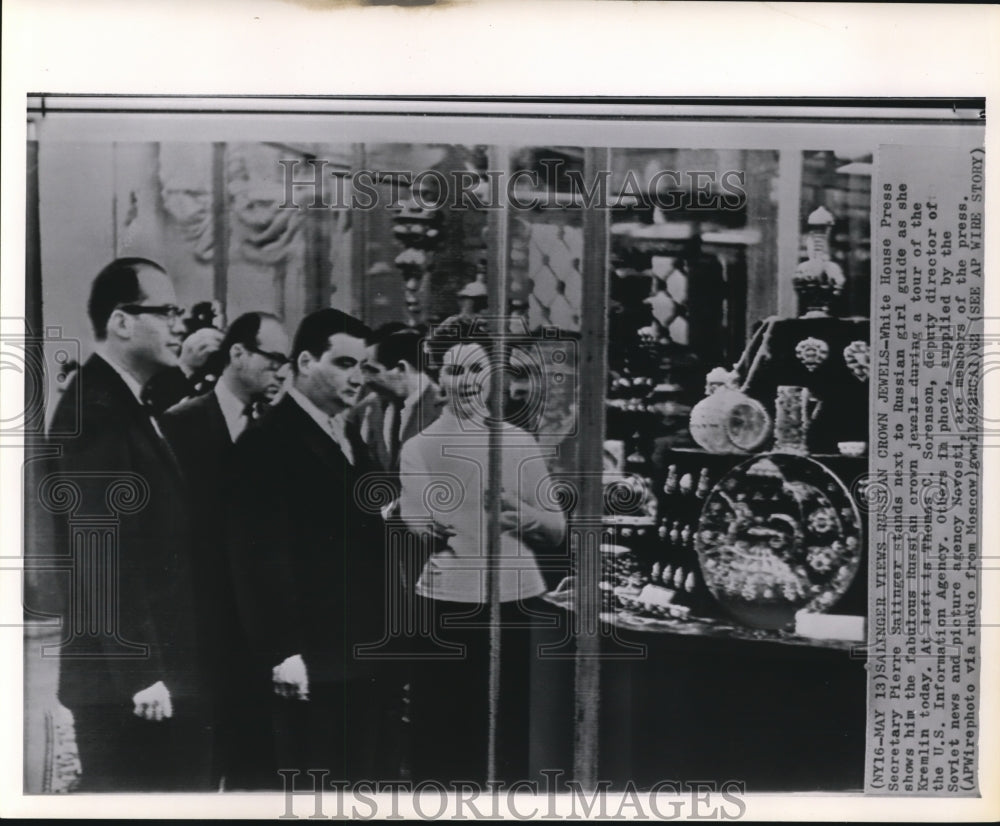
(167, 449)
(241, 423)
(147, 406)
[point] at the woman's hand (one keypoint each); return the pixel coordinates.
(538, 528)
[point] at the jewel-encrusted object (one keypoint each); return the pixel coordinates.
(812, 352)
(792, 418)
(779, 533)
(818, 280)
(857, 357)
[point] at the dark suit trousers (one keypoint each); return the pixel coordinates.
(346, 728)
(120, 752)
(244, 752)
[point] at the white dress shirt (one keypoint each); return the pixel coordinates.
(407, 409)
(388, 425)
(404, 411)
(333, 426)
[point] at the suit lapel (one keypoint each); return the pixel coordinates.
(316, 440)
(120, 395)
(160, 443)
(219, 430)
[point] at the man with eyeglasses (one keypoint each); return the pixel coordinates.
(133, 680)
(202, 431)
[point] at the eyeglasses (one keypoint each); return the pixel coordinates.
(169, 311)
(277, 359)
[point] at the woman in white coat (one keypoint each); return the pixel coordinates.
(444, 475)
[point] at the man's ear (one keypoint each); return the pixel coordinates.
(303, 361)
(119, 325)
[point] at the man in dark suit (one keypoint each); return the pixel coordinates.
(308, 559)
(202, 431)
(404, 398)
(129, 662)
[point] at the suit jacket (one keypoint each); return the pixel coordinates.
(197, 432)
(154, 592)
(308, 559)
(369, 419)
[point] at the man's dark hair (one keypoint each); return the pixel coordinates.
(244, 330)
(116, 284)
(313, 335)
(406, 345)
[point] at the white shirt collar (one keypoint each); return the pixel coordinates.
(413, 398)
(131, 382)
(232, 410)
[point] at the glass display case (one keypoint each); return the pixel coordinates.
(678, 311)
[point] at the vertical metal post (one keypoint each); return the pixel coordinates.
(593, 369)
(359, 239)
(220, 225)
(498, 275)
(317, 234)
(33, 248)
(789, 229)
(114, 200)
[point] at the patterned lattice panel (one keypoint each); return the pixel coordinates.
(554, 255)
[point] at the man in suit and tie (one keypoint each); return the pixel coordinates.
(202, 431)
(405, 399)
(309, 560)
(131, 673)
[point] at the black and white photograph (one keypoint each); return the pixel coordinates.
(478, 457)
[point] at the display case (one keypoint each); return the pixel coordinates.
(733, 545)
(680, 306)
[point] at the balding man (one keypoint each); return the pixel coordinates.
(131, 674)
(202, 431)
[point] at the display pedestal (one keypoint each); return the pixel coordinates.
(776, 717)
(711, 699)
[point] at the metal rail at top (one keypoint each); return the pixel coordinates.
(953, 110)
